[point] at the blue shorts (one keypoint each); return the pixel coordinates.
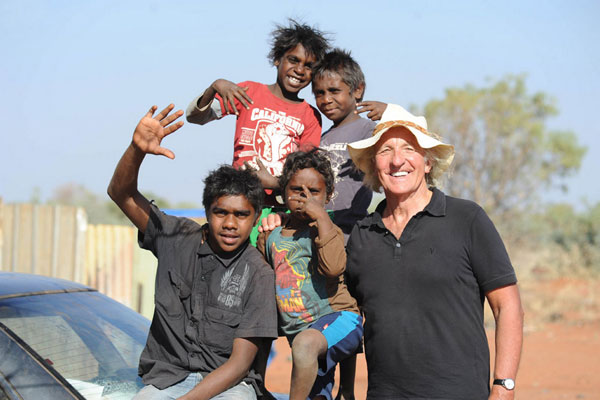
(343, 331)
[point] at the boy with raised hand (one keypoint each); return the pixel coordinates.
(338, 86)
(272, 120)
(214, 301)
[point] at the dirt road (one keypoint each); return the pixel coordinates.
(560, 361)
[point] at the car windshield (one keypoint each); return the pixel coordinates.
(92, 341)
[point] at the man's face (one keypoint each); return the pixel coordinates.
(230, 221)
(335, 99)
(400, 163)
(294, 69)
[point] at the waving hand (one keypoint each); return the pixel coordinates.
(151, 130)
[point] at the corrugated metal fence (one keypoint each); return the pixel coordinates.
(57, 241)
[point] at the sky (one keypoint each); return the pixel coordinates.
(76, 76)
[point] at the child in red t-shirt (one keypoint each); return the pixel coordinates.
(272, 121)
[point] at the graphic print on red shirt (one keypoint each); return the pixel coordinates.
(272, 128)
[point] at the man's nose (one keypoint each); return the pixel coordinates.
(398, 158)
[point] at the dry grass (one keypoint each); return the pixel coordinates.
(555, 288)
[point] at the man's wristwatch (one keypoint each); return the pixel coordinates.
(507, 384)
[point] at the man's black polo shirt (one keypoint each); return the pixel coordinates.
(422, 297)
(202, 302)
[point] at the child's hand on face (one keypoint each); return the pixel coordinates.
(306, 204)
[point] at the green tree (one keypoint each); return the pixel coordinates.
(505, 154)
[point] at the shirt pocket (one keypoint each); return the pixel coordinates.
(219, 329)
(174, 298)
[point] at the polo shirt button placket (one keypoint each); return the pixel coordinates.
(398, 250)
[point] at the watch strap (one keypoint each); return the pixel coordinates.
(508, 384)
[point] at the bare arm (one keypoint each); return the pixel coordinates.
(228, 374)
(147, 137)
(505, 303)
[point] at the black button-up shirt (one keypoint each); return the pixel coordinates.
(202, 302)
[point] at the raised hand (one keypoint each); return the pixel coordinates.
(151, 130)
(229, 92)
(375, 109)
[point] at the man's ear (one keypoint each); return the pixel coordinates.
(428, 165)
(277, 62)
(359, 92)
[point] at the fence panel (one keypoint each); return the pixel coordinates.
(57, 241)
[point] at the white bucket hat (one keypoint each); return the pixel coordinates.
(393, 116)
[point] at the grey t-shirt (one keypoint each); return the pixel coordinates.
(350, 198)
(202, 302)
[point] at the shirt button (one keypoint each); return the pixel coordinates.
(202, 278)
(398, 245)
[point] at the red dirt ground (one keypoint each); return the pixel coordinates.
(559, 361)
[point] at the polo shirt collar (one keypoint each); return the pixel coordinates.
(436, 207)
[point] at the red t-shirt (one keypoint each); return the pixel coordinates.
(272, 128)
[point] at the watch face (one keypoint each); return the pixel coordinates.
(509, 384)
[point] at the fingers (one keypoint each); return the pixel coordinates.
(306, 192)
(247, 166)
(375, 108)
(230, 107)
(260, 165)
(151, 112)
(164, 112)
(170, 118)
(364, 107)
(172, 128)
(243, 97)
(269, 223)
(165, 152)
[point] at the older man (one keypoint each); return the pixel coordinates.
(420, 267)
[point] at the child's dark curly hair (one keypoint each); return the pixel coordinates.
(285, 38)
(341, 62)
(315, 158)
(228, 181)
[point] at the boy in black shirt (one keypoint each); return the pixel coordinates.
(215, 300)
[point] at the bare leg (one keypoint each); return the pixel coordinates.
(347, 375)
(308, 345)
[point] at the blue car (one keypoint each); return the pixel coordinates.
(63, 340)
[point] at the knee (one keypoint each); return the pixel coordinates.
(308, 346)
